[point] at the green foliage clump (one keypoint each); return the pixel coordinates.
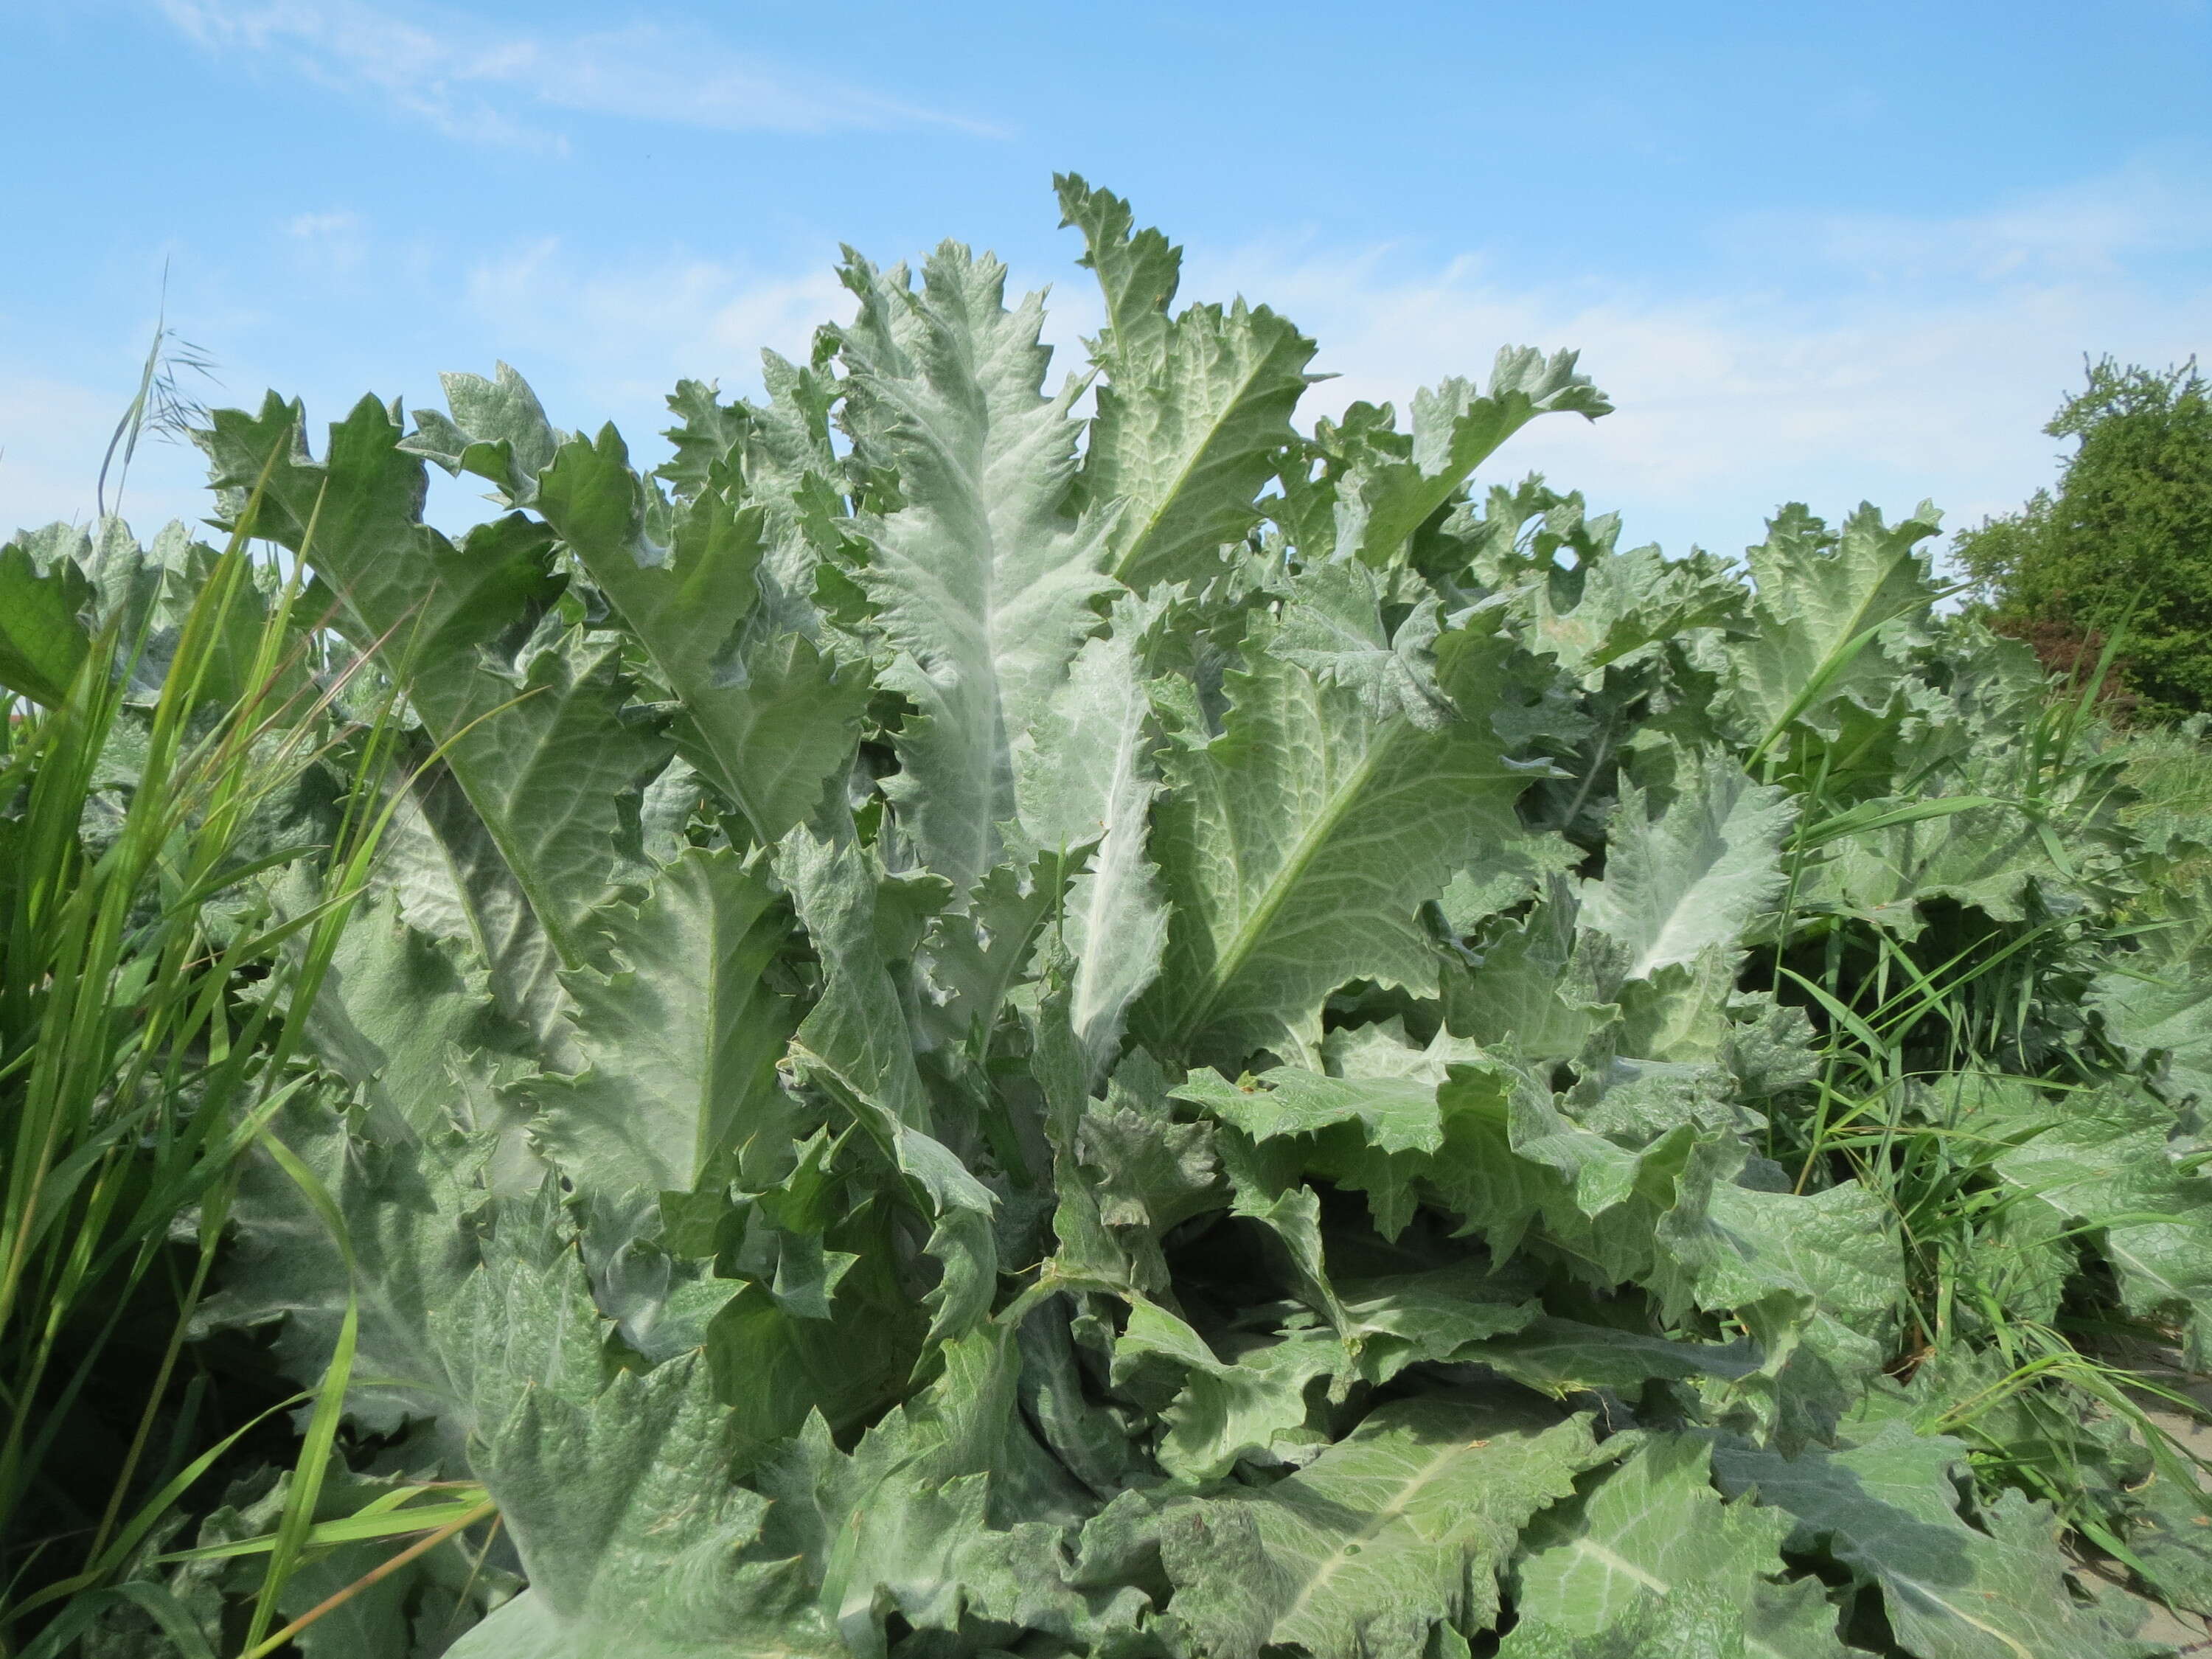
(979, 1030)
(2125, 546)
(180, 738)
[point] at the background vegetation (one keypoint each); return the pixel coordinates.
(2123, 548)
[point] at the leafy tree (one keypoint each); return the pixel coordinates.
(2127, 539)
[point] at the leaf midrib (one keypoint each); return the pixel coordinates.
(710, 1036)
(1905, 1584)
(1615, 1562)
(1326, 1571)
(1230, 963)
(1129, 772)
(1142, 542)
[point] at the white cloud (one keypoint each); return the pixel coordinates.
(602, 341)
(319, 226)
(1835, 370)
(470, 80)
(1930, 376)
(2096, 227)
(624, 334)
(335, 241)
(52, 435)
(1889, 359)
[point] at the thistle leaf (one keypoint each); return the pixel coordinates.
(1386, 499)
(766, 715)
(633, 1536)
(1085, 777)
(1195, 413)
(681, 1039)
(538, 744)
(1298, 845)
(1695, 876)
(1888, 1511)
(982, 581)
(1653, 1525)
(1825, 604)
(1400, 1529)
(43, 638)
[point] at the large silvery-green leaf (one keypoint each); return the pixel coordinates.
(856, 1041)
(1476, 1173)
(43, 639)
(1562, 1357)
(1817, 1279)
(632, 1534)
(1536, 988)
(1614, 606)
(1972, 813)
(497, 430)
(405, 1223)
(857, 1029)
(1436, 1316)
(981, 580)
(1400, 1527)
(1264, 1405)
(538, 742)
(764, 714)
(778, 456)
(1218, 1413)
(464, 1302)
(446, 874)
(776, 447)
(2105, 1162)
(948, 1513)
(1654, 1525)
(397, 1010)
(972, 960)
(1370, 1134)
(1986, 853)
(1838, 1248)
(1509, 1160)
(1394, 1114)
(681, 1038)
(2156, 1001)
(550, 770)
(1338, 626)
(1195, 414)
(1388, 496)
(1889, 1511)
(1297, 845)
(1823, 598)
(823, 1318)
(1085, 776)
(1696, 1621)
(1140, 1170)
(79, 582)
(1695, 876)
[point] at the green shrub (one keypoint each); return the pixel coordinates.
(2125, 544)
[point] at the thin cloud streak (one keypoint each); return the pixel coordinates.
(623, 334)
(472, 84)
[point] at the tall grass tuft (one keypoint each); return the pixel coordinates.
(152, 1000)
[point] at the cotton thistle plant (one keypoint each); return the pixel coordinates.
(989, 1029)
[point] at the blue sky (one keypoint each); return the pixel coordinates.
(1813, 252)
